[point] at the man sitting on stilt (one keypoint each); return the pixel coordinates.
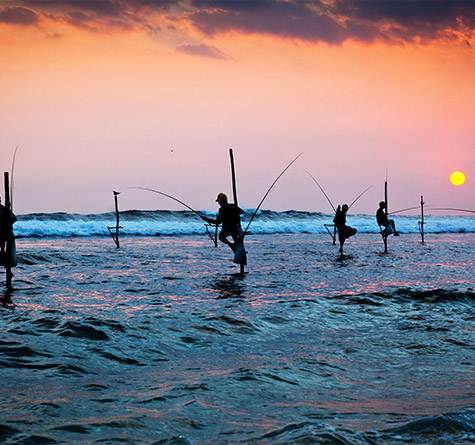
(383, 221)
(229, 217)
(7, 218)
(344, 231)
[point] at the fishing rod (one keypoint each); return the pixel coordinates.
(359, 196)
(328, 199)
(182, 203)
(171, 197)
(404, 210)
(455, 210)
(11, 179)
(268, 191)
(432, 208)
(323, 191)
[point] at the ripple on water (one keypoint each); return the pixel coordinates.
(81, 330)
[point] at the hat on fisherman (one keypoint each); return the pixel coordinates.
(221, 197)
(344, 207)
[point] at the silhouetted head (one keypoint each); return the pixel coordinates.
(382, 205)
(222, 199)
(344, 207)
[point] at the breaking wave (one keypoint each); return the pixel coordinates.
(166, 222)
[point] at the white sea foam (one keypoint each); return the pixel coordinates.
(156, 223)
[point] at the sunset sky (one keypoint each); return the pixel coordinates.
(108, 95)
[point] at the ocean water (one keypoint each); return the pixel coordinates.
(164, 222)
(163, 342)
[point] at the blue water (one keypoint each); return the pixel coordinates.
(163, 342)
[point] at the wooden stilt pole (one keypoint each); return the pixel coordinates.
(422, 219)
(233, 176)
(332, 234)
(115, 236)
(116, 221)
(385, 237)
(8, 240)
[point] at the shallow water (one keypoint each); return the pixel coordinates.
(161, 341)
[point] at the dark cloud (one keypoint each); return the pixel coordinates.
(81, 19)
(162, 5)
(407, 20)
(99, 15)
(330, 21)
(113, 8)
(408, 11)
(336, 21)
(98, 7)
(18, 15)
(202, 50)
(233, 5)
(298, 20)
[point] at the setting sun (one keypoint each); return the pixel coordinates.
(457, 178)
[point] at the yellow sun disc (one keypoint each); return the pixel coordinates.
(457, 178)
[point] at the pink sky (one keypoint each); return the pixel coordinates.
(97, 94)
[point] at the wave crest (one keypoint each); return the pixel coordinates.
(168, 222)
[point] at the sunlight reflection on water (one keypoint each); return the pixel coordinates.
(162, 338)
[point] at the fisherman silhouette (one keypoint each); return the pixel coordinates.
(383, 221)
(7, 218)
(344, 231)
(228, 216)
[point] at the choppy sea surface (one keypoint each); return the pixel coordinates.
(162, 341)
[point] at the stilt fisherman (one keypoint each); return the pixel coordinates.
(229, 217)
(7, 218)
(386, 225)
(344, 231)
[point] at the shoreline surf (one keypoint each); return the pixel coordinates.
(166, 222)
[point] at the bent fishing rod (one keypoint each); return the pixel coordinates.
(202, 217)
(404, 210)
(321, 188)
(433, 208)
(359, 196)
(268, 191)
(455, 210)
(328, 199)
(180, 202)
(171, 197)
(11, 179)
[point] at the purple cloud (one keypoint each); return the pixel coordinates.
(284, 21)
(330, 21)
(98, 7)
(18, 15)
(201, 50)
(335, 22)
